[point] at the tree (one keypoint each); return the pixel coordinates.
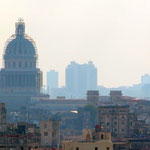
(94, 113)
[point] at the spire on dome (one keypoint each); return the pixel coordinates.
(20, 27)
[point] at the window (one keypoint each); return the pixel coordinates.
(107, 123)
(53, 133)
(25, 51)
(107, 148)
(45, 133)
(122, 122)
(115, 123)
(31, 64)
(26, 64)
(102, 136)
(107, 116)
(45, 125)
(20, 64)
(115, 130)
(20, 52)
(14, 52)
(14, 64)
(96, 148)
(122, 117)
(122, 130)
(77, 148)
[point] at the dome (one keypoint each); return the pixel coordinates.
(20, 78)
(20, 45)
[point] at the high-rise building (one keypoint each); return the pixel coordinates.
(145, 82)
(145, 79)
(52, 80)
(80, 78)
(20, 79)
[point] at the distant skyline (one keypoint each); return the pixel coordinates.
(114, 34)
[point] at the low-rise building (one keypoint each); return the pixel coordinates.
(92, 97)
(90, 143)
(117, 119)
(2, 117)
(50, 133)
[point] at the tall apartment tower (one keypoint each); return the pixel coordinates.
(80, 78)
(52, 80)
(145, 89)
(145, 79)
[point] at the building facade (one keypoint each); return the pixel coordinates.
(52, 81)
(2, 117)
(102, 143)
(117, 119)
(145, 86)
(80, 78)
(50, 133)
(20, 78)
(93, 97)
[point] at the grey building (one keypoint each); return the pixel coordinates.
(145, 79)
(52, 80)
(93, 97)
(80, 78)
(20, 79)
(145, 86)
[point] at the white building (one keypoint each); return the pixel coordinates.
(52, 80)
(80, 78)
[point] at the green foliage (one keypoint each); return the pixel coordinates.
(94, 113)
(57, 116)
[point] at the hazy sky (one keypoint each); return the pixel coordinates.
(114, 34)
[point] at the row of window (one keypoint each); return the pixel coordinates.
(96, 148)
(117, 130)
(114, 123)
(14, 52)
(116, 117)
(113, 111)
(53, 134)
(20, 64)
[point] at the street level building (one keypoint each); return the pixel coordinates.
(102, 143)
(50, 133)
(2, 117)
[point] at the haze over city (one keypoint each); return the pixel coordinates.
(75, 75)
(113, 34)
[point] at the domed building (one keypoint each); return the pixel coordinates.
(20, 79)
